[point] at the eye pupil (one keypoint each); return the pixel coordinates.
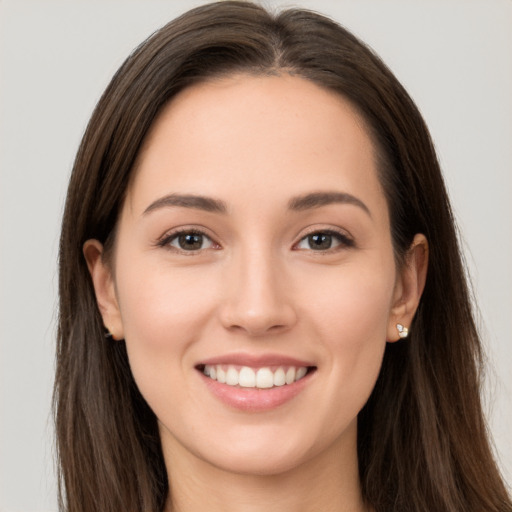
(320, 241)
(190, 241)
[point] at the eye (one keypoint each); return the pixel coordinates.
(324, 240)
(190, 241)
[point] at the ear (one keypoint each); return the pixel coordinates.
(408, 287)
(104, 288)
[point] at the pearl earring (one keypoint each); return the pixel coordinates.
(403, 332)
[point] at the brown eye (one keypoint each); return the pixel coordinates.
(190, 241)
(319, 241)
(324, 240)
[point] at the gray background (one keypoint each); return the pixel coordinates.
(454, 57)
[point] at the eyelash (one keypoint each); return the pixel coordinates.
(343, 240)
(166, 240)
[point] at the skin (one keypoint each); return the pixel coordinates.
(257, 286)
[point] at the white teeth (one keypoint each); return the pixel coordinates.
(221, 375)
(232, 376)
(300, 373)
(279, 377)
(264, 378)
(246, 377)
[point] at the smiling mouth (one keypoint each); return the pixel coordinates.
(266, 377)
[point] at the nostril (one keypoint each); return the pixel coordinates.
(258, 326)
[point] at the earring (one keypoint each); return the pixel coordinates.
(403, 332)
(108, 334)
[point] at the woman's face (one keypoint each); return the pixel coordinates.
(254, 245)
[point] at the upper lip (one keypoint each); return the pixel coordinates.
(255, 360)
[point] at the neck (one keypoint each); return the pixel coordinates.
(328, 481)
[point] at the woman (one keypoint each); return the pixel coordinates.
(263, 304)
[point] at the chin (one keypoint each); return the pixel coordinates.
(257, 462)
(269, 451)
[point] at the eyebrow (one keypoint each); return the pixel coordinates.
(207, 204)
(299, 203)
(318, 199)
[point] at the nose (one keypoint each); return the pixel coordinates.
(259, 299)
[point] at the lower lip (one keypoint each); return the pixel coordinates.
(254, 399)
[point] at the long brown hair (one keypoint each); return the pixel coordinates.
(422, 438)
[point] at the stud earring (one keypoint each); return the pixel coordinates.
(108, 334)
(403, 332)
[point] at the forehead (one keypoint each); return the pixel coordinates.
(243, 133)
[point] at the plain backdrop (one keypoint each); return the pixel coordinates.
(455, 59)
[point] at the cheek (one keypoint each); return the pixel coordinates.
(157, 303)
(352, 302)
(164, 312)
(350, 317)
